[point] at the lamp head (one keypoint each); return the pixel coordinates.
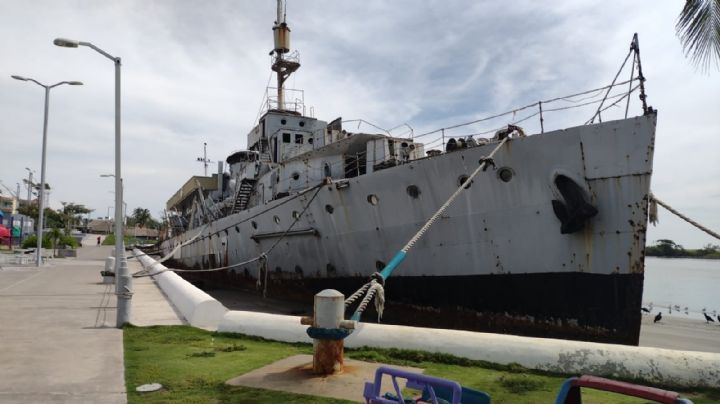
(21, 78)
(66, 43)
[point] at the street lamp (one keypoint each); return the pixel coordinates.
(122, 186)
(123, 285)
(41, 195)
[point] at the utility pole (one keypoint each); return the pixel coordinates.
(29, 184)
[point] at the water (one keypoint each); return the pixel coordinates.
(685, 282)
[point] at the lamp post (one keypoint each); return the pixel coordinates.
(41, 194)
(122, 186)
(123, 285)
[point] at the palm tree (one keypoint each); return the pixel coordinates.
(698, 27)
(55, 236)
(141, 216)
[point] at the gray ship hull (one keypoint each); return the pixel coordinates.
(495, 261)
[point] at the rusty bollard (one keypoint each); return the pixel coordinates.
(328, 330)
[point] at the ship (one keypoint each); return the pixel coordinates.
(547, 240)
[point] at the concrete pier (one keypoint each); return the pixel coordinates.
(58, 338)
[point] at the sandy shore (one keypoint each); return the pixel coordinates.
(676, 332)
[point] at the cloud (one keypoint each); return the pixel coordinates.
(195, 72)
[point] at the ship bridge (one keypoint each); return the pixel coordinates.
(183, 199)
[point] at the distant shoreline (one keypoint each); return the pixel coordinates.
(707, 257)
(669, 249)
(714, 256)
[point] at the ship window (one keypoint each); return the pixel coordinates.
(329, 209)
(276, 219)
(254, 225)
(302, 123)
(310, 140)
(372, 199)
(296, 176)
(296, 214)
(505, 174)
(413, 191)
(298, 138)
(286, 138)
(283, 121)
(326, 169)
(462, 179)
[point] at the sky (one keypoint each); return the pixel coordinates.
(195, 72)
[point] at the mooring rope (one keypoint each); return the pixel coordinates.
(653, 199)
(376, 284)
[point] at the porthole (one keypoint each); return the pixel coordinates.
(302, 123)
(413, 191)
(283, 121)
(310, 140)
(276, 219)
(329, 208)
(372, 199)
(463, 179)
(254, 225)
(296, 176)
(296, 215)
(505, 174)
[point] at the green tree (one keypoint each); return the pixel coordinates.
(698, 27)
(141, 217)
(666, 248)
(71, 214)
(55, 236)
(52, 218)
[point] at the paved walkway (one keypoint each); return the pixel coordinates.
(58, 341)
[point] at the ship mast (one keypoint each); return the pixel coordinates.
(282, 66)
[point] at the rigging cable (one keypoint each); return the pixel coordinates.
(261, 257)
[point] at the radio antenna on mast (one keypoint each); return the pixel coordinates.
(204, 158)
(283, 67)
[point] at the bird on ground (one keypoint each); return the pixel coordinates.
(708, 319)
(658, 317)
(645, 309)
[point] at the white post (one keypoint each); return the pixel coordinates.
(41, 193)
(329, 311)
(123, 282)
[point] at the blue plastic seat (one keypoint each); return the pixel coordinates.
(434, 389)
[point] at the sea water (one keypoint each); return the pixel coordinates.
(684, 282)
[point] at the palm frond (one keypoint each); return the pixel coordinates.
(698, 27)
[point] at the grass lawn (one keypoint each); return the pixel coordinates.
(193, 366)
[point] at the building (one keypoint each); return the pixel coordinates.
(8, 205)
(142, 233)
(101, 226)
